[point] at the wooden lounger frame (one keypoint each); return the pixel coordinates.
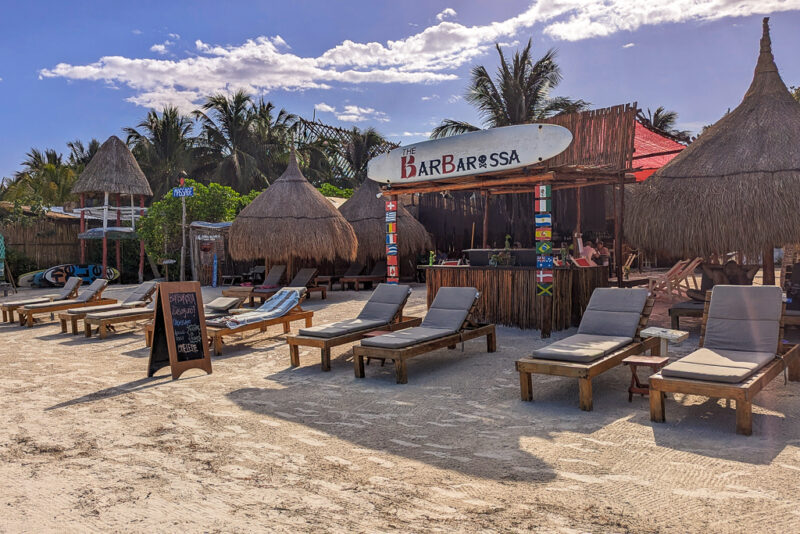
(216, 333)
(73, 319)
(26, 316)
(585, 372)
(240, 292)
(743, 392)
(105, 322)
(469, 330)
(8, 308)
(325, 344)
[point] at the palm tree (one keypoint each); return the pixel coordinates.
(362, 146)
(271, 137)
(226, 136)
(519, 94)
(795, 90)
(80, 156)
(664, 121)
(163, 146)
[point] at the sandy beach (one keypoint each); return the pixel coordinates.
(89, 444)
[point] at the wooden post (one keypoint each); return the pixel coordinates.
(141, 246)
(486, 221)
(118, 243)
(105, 229)
(577, 234)
(618, 236)
(768, 263)
(83, 228)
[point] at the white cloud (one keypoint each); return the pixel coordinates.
(454, 98)
(628, 45)
(430, 97)
(411, 134)
(174, 36)
(448, 12)
(428, 56)
(136, 32)
(352, 113)
(161, 48)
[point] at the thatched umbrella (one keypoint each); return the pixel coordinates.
(113, 170)
(367, 214)
(292, 220)
(736, 188)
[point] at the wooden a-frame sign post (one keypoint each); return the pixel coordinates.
(180, 340)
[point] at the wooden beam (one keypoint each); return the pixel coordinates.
(486, 220)
(437, 186)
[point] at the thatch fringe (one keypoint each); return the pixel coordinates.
(292, 220)
(367, 215)
(736, 187)
(113, 169)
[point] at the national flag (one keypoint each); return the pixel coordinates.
(393, 280)
(544, 290)
(391, 216)
(544, 233)
(544, 247)
(543, 191)
(391, 205)
(544, 262)
(391, 239)
(543, 219)
(544, 277)
(543, 205)
(391, 228)
(391, 260)
(391, 250)
(391, 270)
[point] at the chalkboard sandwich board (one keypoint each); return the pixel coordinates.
(179, 330)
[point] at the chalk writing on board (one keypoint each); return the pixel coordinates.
(186, 326)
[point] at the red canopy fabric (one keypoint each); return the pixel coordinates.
(651, 151)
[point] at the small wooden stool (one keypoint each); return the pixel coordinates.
(653, 362)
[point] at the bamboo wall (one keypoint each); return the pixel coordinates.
(508, 294)
(47, 242)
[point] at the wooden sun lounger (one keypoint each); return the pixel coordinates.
(216, 333)
(399, 356)
(26, 315)
(585, 372)
(353, 269)
(468, 329)
(105, 323)
(8, 308)
(325, 344)
(141, 299)
(377, 275)
(304, 278)
(272, 278)
(743, 392)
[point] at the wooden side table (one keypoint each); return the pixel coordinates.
(653, 362)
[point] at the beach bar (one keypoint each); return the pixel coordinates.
(535, 290)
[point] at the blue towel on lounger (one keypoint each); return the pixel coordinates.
(276, 306)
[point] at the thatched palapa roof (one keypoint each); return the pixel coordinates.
(367, 215)
(291, 220)
(113, 169)
(736, 188)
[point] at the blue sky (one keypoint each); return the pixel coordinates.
(76, 70)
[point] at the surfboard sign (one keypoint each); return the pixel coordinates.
(58, 275)
(485, 151)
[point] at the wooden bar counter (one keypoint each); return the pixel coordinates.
(508, 293)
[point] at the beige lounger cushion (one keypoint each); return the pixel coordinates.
(718, 365)
(745, 318)
(581, 348)
(48, 304)
(613, 312)
(223, 303)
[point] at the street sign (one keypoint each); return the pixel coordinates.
(180, 192)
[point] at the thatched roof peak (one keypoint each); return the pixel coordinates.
(735, 187)
(113, 169)
(367, 215)
(292, 220)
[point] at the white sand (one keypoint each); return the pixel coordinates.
(88, 443)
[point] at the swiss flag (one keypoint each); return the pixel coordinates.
(391, 205)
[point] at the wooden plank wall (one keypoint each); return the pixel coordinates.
(47, 242)
(508, 294)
